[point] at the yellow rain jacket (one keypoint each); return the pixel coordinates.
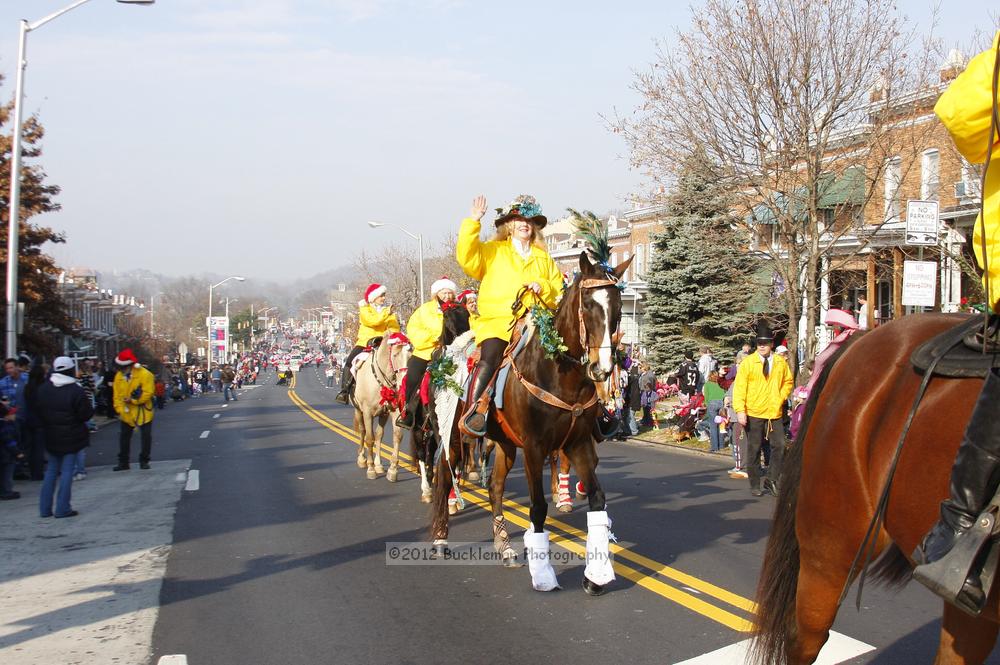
(140, 410)
(761, 397)
(424, 328)
(965, 109)
(502, 272)
(375, 323)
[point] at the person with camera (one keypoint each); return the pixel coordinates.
(134, 391)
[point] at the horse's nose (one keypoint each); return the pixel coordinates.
(595, 372)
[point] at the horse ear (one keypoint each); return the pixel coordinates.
(620, 270)
(585, 265)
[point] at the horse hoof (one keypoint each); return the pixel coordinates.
(380, 470)
(371, 474)
(361, 462)
(425, 498)
(509, 559)
(452, 508)
(473, 477)
(592, 589)
(392, 475)
(440, 550)
(565, 508)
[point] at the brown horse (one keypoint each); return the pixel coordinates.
(587, 319)
(831, 483)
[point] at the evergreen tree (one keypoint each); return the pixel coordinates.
(701, 278)
(37, 271)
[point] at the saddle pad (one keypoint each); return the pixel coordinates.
(960, 361)
(356, 363)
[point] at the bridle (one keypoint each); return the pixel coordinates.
(391, 380)
(592, 283)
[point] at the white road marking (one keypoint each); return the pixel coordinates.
(178, 659)
(225, 405)
(181, 477)
(216, 415)
(205, 434)
(194, 481)
(838, 649)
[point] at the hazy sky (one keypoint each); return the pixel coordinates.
(258, 136)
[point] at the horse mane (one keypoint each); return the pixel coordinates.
(774, 622)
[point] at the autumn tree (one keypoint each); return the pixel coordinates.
(799, 103)
(44, 310)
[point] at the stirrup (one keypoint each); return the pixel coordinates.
(470, 428)
(947, 576)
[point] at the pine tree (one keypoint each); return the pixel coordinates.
(701, 277)
(43, 307)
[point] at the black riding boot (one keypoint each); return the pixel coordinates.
(415, 370)
(489, 356)
(346, 380)
(954, 572)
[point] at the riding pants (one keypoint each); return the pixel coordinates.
(415, 368)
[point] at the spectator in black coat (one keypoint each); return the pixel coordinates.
(63, 409)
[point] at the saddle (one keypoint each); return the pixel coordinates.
(962, 352)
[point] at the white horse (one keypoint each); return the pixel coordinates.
(375, 399)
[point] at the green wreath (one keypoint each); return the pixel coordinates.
(550, 339)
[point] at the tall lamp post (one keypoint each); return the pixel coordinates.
(420, 250)
(152, 310)
(14, 222)
(208, 323)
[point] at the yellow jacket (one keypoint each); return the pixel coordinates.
(424, 328)
(965, 109)
(140, 410)
(375, 323)
(761, 397)
(502, 272)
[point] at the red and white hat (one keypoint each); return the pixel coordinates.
(374, 291)
(126, 357)
(398, 338)
(468, 294)
(441, 285)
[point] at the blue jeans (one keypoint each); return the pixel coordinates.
(713, 409)
(628, 421)
(227, 391)
(81, 462)
(62, 466)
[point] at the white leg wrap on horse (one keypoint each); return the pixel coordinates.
(599, 569)
(543, 576)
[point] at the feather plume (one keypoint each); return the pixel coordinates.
(594, 233)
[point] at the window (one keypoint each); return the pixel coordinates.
(892, 178)
(639, 265)
(930, 175)
(971, 180)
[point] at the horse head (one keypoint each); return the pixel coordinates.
(599, 311)
(392, 356)
(456, 322)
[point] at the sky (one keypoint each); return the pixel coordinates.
(260, 136)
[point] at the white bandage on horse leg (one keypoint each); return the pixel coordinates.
(564, 499)
(543, 576)
(599, 569)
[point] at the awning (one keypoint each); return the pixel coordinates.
(847, 189)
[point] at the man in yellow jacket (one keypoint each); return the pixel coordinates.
(763, 384)
(424, 331)
(514, 259)
(375, 319)
(966, 109)
(133, 390)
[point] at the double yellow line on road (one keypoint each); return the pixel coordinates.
(575, 541)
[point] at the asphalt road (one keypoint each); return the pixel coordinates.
(280, 555)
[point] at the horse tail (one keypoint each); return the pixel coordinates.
(774, 621)
(893, 570)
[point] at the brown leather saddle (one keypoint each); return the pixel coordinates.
(961, 352)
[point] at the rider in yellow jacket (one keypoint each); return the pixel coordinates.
(966, 108)
(424, 331)
(133, 390)
(515, 259)
(470, 299)
(375, 319)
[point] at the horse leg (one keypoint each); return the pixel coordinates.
(359, 428)
(471, 472)
(560, 482)
(381, 420)
(598, 572)
(397, 438)
(442, 490)
(367, 445)
(536, 539)
(964, 639)
(505, 454)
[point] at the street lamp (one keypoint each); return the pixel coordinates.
(14, 225)
(420, 250)
(152, 310)
(208, 323)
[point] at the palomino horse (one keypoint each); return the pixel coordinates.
(560, 419)
(424, 437)
(831, 483)
(374, 400)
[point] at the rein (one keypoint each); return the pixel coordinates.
(388, 384)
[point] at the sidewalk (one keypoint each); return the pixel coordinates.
(85, 590)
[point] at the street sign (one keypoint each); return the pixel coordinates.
(919, 283)
(921, 223)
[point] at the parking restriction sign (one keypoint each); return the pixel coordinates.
(921, 222)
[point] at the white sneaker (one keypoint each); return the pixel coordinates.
(80, 476)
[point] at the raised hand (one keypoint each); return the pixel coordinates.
(478, 207)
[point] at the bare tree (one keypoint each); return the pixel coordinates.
(802, 105)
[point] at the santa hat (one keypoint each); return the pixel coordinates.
(397, 338)
(468, 294)
(374, 291)
(126, 357)
(441, 285)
